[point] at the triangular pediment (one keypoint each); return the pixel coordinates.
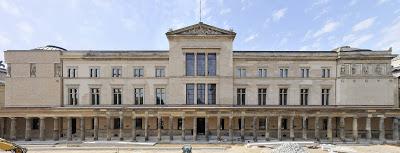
(201, 29)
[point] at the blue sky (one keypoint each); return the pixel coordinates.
(141, 24)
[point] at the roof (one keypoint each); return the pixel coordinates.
(50, 47)
(201, 29)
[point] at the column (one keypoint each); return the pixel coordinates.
(170, 124)
(82, 126)
(96, 128)
(159, 127)
(230, 128)
(121, 126)
(56, 129)
(146, 122)
(219, 127)
(304, 127)
(206, 128)
(341, 129)
(382, 129)
(291, 126)
(194, 128)
(316, 132)
(368, 129)
(12, 129)
(28, 125)
(133, 127)
(266, 129)
(395, 129)
(108, 126)
(69, 129)
(41, 129)
(255, 128)
(1, 127)
(242, 126)
(355, 129)
(329, 130)
(280, 128)
(183, 128)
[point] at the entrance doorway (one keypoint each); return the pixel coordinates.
(201, 130)
(73, 125)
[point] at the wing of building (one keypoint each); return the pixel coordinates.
(200, 90)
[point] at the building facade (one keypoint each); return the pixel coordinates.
(200, 90)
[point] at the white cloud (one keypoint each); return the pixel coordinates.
(328, 27)
(251, 37)
(353, 2)
(361, 40)
(365, 24)
(4, 41)
(321, 13)
(278, 14)
(25, 31)
(9, 7)
(390, 37)
(225, 11)
(245, 4)
(382, 1)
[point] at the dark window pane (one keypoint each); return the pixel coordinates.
(201, 64)
(212, 93)
(201, 93)
(212, 64)
(190, 64)
(189, 93)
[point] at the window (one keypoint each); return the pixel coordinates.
(72, 72)
(94, 72)
(95, 96)
(303, 96)
(222, 123)
(179, 124)
(117, 96)
(190, 64)
(261, 124)
(284, 124)
(326, 73)
(212, 94)
(241, 96)
(240, 72)
(160, 72)
(283, 96)
(201, 93)
(73, 96)
(92, 123)
(139, 96)
(325, 97)
(190, 94)
(35, 123)
(32, 70)
(162, 123)
(262, 96)
(160, 96)
(262, 73)
(284, 72)
(139, 123)
(117, 124)
(201, 64)
(116, 72)
(138, 72)
(211, 64)
(57, 70)
(305, 72)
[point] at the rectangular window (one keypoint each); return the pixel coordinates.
(179, 124)
(262, 73)
(305, 72)
(211, 64)
(139, 96)
(95, 96)
(160, 96)
(222, 123)
(262, 96)
(117, 96)
(190, 64)
(117, 124)
(261, 124)
(72, 96)
(72, 72)
(116, 72)
(303, 96)
(325, 73)
(33, 70)
(160, 72)
(190, 94)
(139, 123)
(138, 72)
(325, 97)
(35, 123)
(212, 94)
(201, 93)
(240, 72)
(284, 72)
(94, 72)
(201, 64)
(283, 92)
(284, 124)
(241, 96)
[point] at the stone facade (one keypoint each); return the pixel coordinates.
(346, 94)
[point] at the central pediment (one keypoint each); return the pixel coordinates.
(201, 29)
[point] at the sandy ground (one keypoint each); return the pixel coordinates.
(197, 148)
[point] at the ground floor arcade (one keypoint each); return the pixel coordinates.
(201, 124)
